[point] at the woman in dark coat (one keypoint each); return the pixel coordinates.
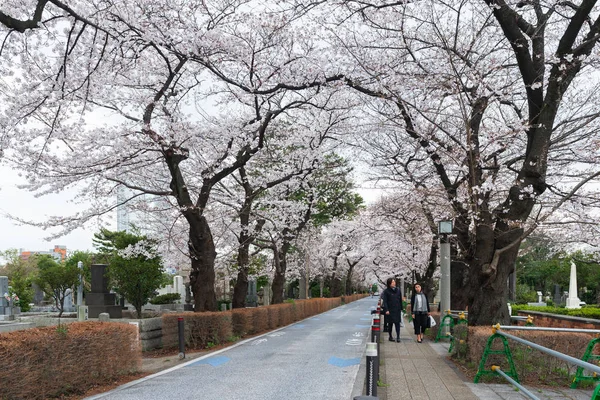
(419, 308)
(392, 307)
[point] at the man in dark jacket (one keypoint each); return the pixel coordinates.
(392, 306)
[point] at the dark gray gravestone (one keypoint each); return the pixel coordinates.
(557, 296)
(252, 295)
(100, 300)
(3, 290)
(38, 294)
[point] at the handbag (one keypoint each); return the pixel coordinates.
(432, 322)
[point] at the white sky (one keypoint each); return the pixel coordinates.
(23, 204)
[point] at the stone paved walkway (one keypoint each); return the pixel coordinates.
(421, 371)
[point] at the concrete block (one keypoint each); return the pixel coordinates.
(150, 324)
(151, 344)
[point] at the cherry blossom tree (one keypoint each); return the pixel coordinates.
(172, 99)
(488, 103)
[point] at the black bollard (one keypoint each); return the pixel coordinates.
(375, 338)
(372, 369)
(181, 330)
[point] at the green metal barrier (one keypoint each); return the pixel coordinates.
(588, 356)
(481, 371)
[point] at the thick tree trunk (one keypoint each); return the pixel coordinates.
(488, 292)
(280, 258)
(240, 290)
(349, 282)
(278, 283)
(203, 254)
(426, 279)
(336, 286)
(459, 283)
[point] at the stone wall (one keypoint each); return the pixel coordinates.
(560, 321)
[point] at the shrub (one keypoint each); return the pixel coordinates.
(167, 298)
(585, 312)
(525, 294)
(200, 329)
(242, 321)
(48, 362)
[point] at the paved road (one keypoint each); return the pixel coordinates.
(317, 358)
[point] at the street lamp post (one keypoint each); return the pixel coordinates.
(444, 229)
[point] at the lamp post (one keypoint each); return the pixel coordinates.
(444, 229)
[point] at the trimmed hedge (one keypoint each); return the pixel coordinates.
(52, 361)
(210, 328)
(585, 312)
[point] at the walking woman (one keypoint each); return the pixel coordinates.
(392, 306)
(419, 306)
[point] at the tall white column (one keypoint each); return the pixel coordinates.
(445, 270)
(80, 286)
(573, 300)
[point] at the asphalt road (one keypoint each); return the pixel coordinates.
(317, 358)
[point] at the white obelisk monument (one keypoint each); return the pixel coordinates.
(573, 301)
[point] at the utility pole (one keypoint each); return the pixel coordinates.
(445, 229)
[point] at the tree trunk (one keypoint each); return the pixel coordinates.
(240, 290)
(426, 279)
(488, 292)
(459, 283)
(336, 286)
(203, 254)
(279, 279)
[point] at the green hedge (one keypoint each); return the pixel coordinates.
(168, 298)
(585, 312)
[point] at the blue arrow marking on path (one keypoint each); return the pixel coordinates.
(343, 362)
(362, 326)
(366, 319)
(297, 326)
(315, 319)
(214, 361)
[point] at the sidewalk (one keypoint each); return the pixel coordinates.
(421, 371)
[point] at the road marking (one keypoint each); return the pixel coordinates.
(343, 362)
(257, 342)
(353, 342)
(214, 361)
(366, 319)
(276, 334)
(358, 334)
(362, 326)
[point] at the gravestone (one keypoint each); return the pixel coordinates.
(267, 294)
(557, 298)
(100, 300)
(178, 287)
(68, 303)
(3, 290)
(188, 306)
(252, 296)
(38, 294)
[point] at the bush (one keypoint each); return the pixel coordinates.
(201, 329)
(47, 362)
(168, 298)
(525, 294)
(585, 312)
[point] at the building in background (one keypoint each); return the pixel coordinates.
(59, 253)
